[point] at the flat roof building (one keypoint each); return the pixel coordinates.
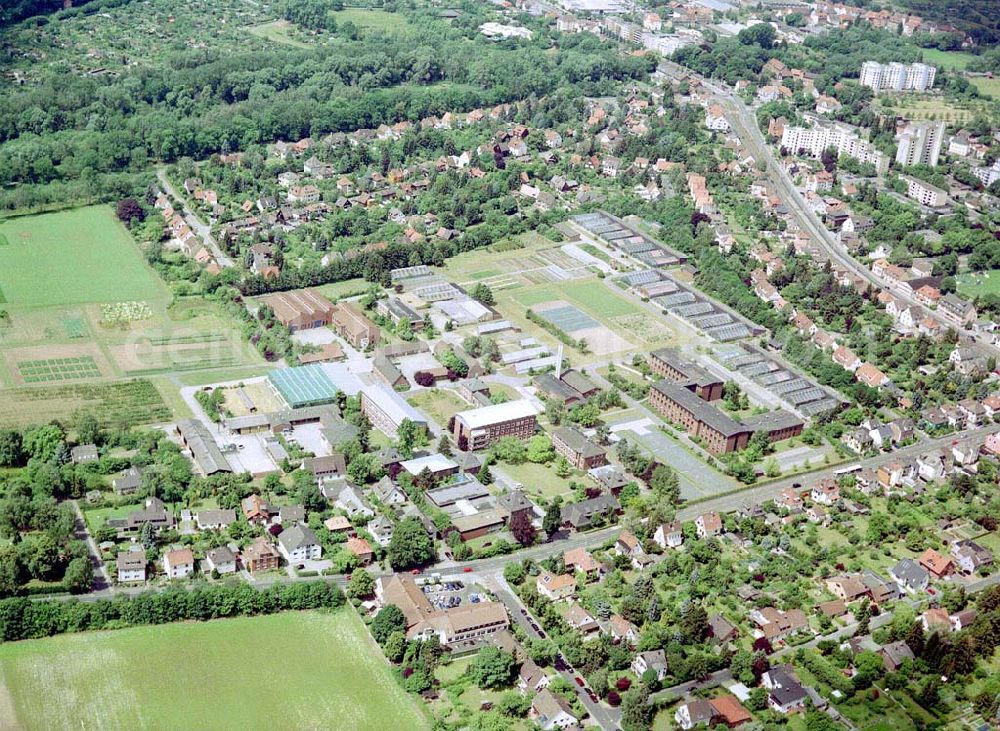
(480, 428)
(386, 410)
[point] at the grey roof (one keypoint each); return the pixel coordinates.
(582, 513)
(513, 501)
(296, 537)
(469, 489)
(773, 420)
(909, 572)
(134, 558)
(205, 451)
(691, 372)
(221, 555)
(128, 481)
(290, 513)
(579, 443)
(213, 517)
(702, 410)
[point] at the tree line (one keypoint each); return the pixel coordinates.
(22, 619)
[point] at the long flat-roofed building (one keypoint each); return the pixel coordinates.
(480, 428)
(386, 410)
(207, 456)
(301, 309)
(668, 363)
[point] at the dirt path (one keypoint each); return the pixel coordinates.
(8, 712)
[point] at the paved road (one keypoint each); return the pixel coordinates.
(102, 581)
(607, 718)
(762, 493)
(197, 225)
(744, 123)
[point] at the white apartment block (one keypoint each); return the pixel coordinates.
(925, 193)
(920, 144)
(813, 140)
(989, 175)
(897, 77)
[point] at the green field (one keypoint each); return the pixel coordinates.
(73, 257)
(438, 403)
(376, 19)
(287, 671)
(277, 31)
(947, 59)
(988, 87)
(975, 285)
(589, 294)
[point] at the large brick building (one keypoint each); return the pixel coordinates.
(480, 428)
(582, 453)
(354, 326)
(668, 363)
(718, 432)
(301, 309)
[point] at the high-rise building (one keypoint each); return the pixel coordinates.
(920, 144)
(843, 138)
(897, 77)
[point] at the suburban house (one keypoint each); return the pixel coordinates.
(298, 544)
(550, 711)
(910, 576)
(697, 712)
(785, 692)
(531, 678)
(655, 660)
(128, 482)
(131, 565)
(178, 563)
(708, 524)
(936, 563)
(580, 559)
(221, 560)
(260, 556)
(970, 556)
(555, 586)
(669, 535)
(775, 624)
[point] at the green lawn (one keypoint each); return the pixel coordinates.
(980, 283)
(293, 670)
(278, 32)
(73, 257)
(588, 294)
(989, 87)
(947, 59)
(540, 481)
(439, 404)
(377, 19)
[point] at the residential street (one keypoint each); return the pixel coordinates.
(197, 225)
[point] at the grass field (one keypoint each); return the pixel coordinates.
(975, 285)
(989, 87)
(73, 257)
(278, 32)
(439, 404)
(947, 59)
(286, 671)
(540, 481)
(375, 19)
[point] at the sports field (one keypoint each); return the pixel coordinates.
(293, 670)
(73, 257)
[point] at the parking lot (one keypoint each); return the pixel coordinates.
(451, 594)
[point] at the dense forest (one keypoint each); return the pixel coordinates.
(203, 101)
(978, 18)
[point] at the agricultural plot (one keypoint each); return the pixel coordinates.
(194, 675)
(115, 403)
(58, 369)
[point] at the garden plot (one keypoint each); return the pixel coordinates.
(581, 326)
(55, 364)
